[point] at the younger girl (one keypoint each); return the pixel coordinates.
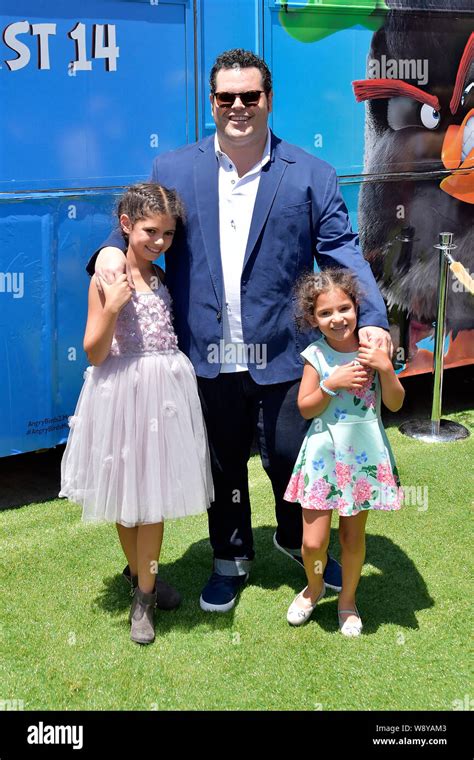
(137, 453)
(345, 462)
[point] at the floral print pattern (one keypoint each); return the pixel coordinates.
(345, 462)
(365, 395)
(361, 491)
(384, 474)
(343, 474)
(145, 325)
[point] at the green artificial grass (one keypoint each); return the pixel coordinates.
(64, 635)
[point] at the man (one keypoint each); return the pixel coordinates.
(258, 211)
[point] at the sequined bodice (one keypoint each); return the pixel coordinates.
(144, 325)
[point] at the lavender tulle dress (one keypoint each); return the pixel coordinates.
(137, 450)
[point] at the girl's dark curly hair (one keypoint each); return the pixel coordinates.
(312, 284)
(146, 198)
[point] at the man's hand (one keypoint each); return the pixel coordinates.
(116, 295)
(376, 337)
(110, 264)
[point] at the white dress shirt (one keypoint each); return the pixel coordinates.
(236, 202)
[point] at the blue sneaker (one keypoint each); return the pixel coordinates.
(221, 591)
(332, 572)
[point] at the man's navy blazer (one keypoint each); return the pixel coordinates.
(299, 214)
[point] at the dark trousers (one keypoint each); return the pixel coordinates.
(235, 410)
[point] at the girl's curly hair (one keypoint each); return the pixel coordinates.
(312, 284)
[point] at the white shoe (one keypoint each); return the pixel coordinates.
(298, 615)
(350, 629)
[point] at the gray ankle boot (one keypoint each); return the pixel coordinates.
(141, 616)
(167, 598)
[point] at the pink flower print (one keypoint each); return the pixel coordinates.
(343, 474)
(318, 493)
(320, 488)
(361, 491)
(144, 325)
(370, 379)
(342, 505)
(384, 474)
(295, 487)
(364, 391)
(369, 400)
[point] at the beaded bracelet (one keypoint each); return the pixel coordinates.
(327, 390)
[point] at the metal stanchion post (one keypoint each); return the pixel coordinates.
(438, 430)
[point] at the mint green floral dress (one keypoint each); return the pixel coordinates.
(345, 462)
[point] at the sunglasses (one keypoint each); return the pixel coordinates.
(227, 99)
